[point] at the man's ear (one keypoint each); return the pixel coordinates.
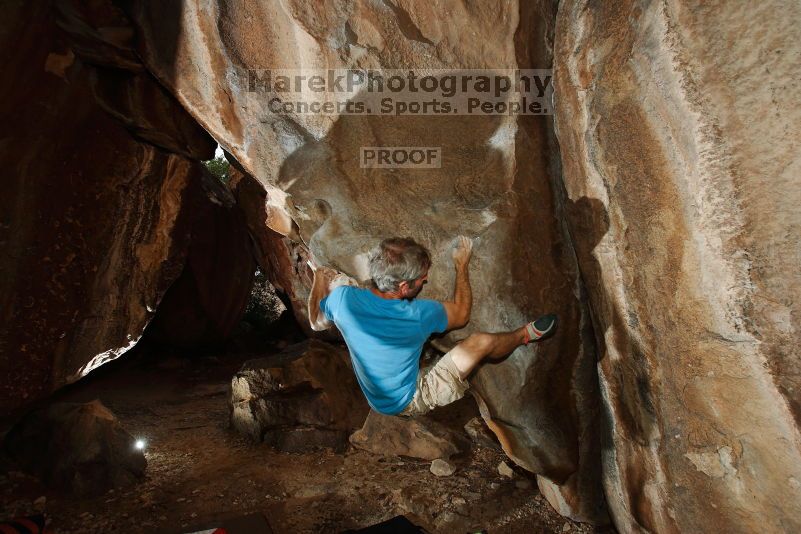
(403, 287)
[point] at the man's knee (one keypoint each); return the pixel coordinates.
(479, 342)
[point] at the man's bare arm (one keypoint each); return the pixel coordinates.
(325, 280)
(319, 290)
(458, 310)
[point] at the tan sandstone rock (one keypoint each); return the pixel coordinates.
(78, 448)
(89, 215)
(678, 125)
(442, 468)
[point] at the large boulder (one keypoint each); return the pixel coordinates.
(679, 125)
(79, 448)
(496, 184)
(300, 399)
(675, 221)
(416, 437)
(103, 195)
(90, 213)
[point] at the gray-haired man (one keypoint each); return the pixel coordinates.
(385, 328)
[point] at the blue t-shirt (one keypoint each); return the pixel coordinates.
(385, 338)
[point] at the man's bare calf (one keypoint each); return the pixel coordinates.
(480, 345)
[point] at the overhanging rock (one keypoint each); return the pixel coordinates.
(495, 184)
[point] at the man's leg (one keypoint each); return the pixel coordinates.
(470, 352)
(446, 382)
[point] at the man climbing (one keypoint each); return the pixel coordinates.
(385, 328)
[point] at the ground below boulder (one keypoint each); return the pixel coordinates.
(200, 473)
(77, 447)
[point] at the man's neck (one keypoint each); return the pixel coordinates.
(389, 295)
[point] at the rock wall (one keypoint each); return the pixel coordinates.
(99, 164)
(678, 125)
(495, 185)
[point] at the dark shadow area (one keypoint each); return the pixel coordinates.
(632, 410)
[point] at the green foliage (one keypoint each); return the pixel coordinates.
(219, 167)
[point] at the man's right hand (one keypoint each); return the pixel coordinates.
(462, 252)
(321, 286)
(458, 309)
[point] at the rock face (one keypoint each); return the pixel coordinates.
(303, 398)
(495, 185)
(678, 126)
(89, 212)
(79, 448)
(417, 437)
(281, 259)
(103, 195)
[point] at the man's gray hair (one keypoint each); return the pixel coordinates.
(397, 259)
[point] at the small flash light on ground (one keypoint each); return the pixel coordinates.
(140, 444)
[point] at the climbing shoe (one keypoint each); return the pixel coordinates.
(542, 328)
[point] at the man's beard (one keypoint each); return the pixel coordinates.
(413, 293)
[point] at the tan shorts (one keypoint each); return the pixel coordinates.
(436, 386)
